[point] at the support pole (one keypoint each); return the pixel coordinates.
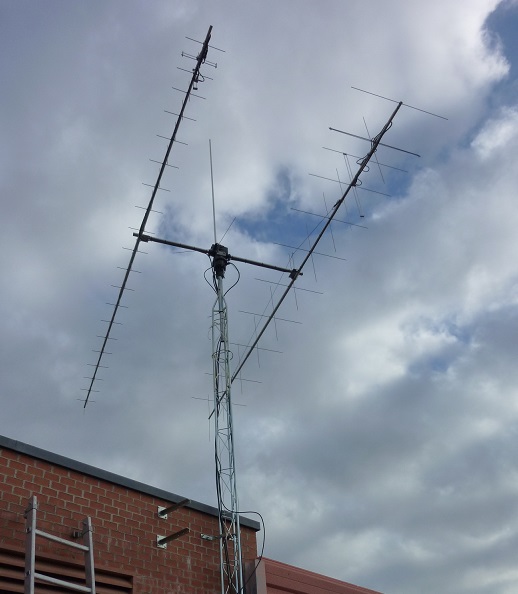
(30, 544)
(226, 487)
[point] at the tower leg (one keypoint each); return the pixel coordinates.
(230, 538)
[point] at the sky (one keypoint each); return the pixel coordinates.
(376, 428)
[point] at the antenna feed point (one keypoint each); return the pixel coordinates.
(220, 259)
(294, 274)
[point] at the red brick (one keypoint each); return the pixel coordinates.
(125, 526)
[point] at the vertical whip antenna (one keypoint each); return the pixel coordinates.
(212, 188)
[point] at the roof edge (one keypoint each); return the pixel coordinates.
(111, 477)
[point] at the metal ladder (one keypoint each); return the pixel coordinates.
(30, 553)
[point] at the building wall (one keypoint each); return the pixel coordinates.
(125, 523)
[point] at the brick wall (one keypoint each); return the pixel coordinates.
(125, 525)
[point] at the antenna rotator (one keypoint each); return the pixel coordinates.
(220, 259)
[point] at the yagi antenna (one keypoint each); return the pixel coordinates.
(375, 143)
(353, 185)
(200, 60)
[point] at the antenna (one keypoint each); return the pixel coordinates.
(111, 322)
(212, 188)
(231, 570)
(375, 142)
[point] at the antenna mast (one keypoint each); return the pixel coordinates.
(231, 568)
(230, 553)
(228, 506)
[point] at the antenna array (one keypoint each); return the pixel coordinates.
(231, 570)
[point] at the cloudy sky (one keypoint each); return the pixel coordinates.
(376, 430)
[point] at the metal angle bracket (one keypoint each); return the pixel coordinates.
(161, 541)
(164, 511)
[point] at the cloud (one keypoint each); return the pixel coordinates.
(375, 428)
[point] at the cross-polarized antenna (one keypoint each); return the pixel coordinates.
(363, 163)
(353, 185)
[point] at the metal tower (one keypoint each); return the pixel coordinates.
(228, 506)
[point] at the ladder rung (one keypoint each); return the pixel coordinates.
(51, 580)
(69, 543)
(30, 553)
